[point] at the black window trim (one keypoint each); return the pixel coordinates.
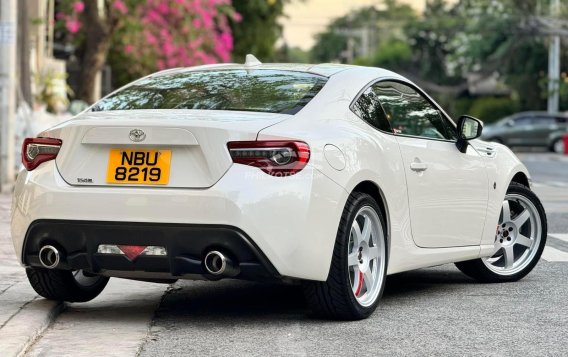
(419, 91)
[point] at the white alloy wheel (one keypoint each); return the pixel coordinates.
(366, 256)
(517, 237)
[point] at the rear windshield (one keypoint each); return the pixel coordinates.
(259, 90)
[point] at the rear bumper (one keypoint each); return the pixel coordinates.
(292, 221)
(186, 245)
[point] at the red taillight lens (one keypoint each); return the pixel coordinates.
(38, 150)
(276, 158)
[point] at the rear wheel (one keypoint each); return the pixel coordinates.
(358, 269)
(519, 241)
(66, 285)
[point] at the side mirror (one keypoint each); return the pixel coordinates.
(469, 128)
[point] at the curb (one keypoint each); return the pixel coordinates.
(27, 325)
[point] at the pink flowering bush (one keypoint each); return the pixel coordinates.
(184, 32)
(158, 34)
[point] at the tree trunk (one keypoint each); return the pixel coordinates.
(24, 70)
(98, 32)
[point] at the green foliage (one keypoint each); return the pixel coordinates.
(328, 47)
(490, 109)
(297, 55)
(393, 54)
(259, 29)
(379, 25)
(432, 41)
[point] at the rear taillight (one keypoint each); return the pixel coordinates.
(276, 158)
(38, 150)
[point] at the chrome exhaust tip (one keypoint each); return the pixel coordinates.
(217, 263)
(49, 256)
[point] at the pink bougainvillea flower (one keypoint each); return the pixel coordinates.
(163, 7)
(168, 49)
(207, 20)
(60, 16)
(237, 17)
(78, 6)
(73, 25)
(153, 16)
(227, 40)
(120, 6)
(128, 49)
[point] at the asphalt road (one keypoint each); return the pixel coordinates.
(435, 311)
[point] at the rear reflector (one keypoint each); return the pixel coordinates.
(38, 150)
(132, 251)
(276, 158)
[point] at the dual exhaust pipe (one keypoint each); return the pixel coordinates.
(216, 263)
(49, 257)
(219, 264)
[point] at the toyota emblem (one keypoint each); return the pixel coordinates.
(137, 135)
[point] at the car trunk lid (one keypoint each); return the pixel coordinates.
(191, 145)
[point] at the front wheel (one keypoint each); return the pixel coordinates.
(358, 269)
(66, 285)
(519, 240)
(557, 146)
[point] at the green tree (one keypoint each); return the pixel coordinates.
(345, 37)
(259, 29)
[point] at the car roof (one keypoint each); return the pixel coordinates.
(323, 69)
(538, 113)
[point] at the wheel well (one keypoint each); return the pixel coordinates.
(374, 191)
(521, 178)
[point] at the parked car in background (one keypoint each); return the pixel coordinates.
(540, 129)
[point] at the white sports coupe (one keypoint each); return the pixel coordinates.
(333, 176)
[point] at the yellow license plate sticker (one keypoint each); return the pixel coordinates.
(139, 167)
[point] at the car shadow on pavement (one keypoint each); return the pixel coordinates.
(425, 280)
(229, 299)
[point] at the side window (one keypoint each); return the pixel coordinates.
(409, 113)
(368, 108)
(523, 121)
(561, 120)
(545, 121)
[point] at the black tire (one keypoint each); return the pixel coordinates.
(476, 268)
(61, 285)
(334, 298)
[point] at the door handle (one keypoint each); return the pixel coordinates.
(418, 166)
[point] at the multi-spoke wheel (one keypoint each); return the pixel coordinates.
(66, 285)
(519, 239)
(358, 269)
(366, 256)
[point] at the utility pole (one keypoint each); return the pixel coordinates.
(8, 23)
(554, 63)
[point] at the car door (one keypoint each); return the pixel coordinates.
(447, 189)
(542, 128)
(521, 132)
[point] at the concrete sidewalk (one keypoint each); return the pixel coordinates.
(23, 314)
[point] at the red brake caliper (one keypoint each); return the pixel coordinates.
(360, 285)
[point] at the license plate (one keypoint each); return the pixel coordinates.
(139, 167)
